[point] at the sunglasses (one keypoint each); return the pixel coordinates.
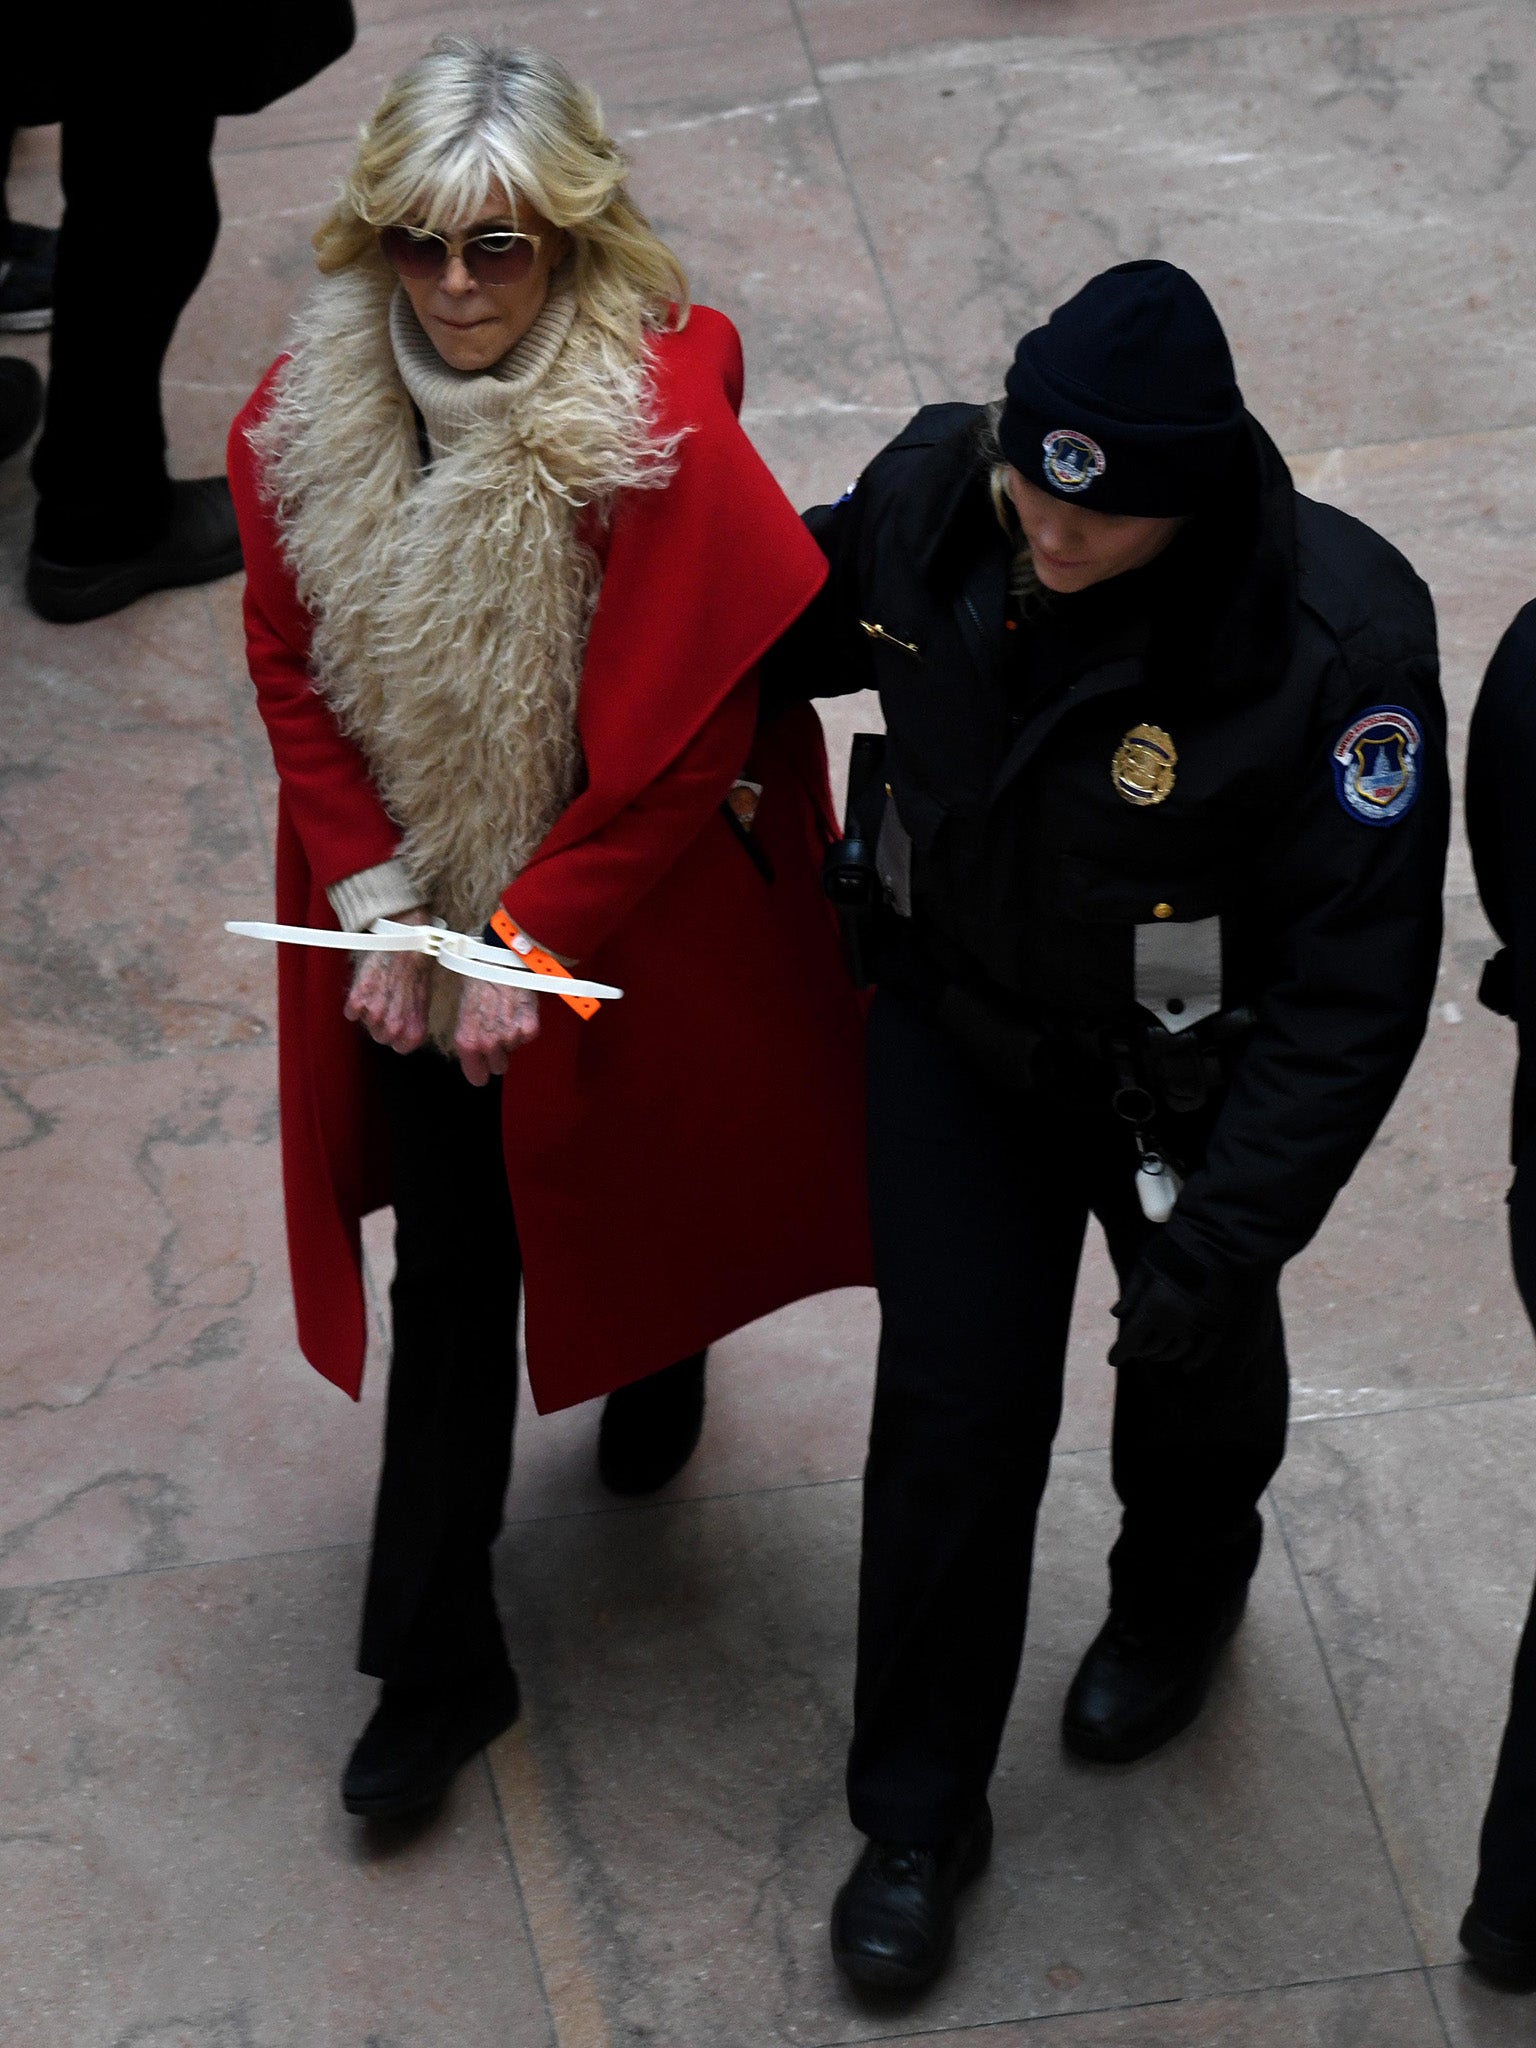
(495, 258)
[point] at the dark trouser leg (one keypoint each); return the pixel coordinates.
(977, 1244)
(120, 286)
(1506, 1877)
(429, 1615)
(1192, 1455)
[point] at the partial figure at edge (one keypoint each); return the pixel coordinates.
(1499, 1929)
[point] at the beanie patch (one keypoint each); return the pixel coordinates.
(1073, 460)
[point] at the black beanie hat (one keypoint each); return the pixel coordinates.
(1126, 400)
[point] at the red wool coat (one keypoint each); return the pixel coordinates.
(692, 1157)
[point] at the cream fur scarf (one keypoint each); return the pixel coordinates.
(451, 608)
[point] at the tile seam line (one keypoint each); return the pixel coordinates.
(360, 1543)
(1082, 2012)
(604, 1511)
(853, 71)
(856, 70)
(1492, 1400)
(1354, 1754)
(866, 235)
(508, 1852)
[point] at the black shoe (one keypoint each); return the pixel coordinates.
(893, 1922)
(418, 1739)
(1505, 1958)
(1136, 1688)
(21, 403)
(201, 544)
(26, 296)
(651, 1429)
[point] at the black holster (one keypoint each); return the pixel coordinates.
(850, 876)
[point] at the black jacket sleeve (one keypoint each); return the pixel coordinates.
(825, 653)
(1501, 826)
(1354, 909)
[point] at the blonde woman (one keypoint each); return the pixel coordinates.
(512, 564)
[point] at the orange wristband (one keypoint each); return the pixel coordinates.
(539, 962)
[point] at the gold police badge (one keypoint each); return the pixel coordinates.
(1144, 764)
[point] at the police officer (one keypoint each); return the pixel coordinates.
(1159, 834)
(1499, 1929)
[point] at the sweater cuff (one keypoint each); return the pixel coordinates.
(372, 893)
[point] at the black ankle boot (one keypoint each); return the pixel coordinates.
(1506, 1955)
(419, 1738)
(201, 544)
(651, 1429)
(893, 1922)
(1138, 1686)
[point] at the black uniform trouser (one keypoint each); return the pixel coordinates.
(1506, 1876)
(141, 216)
(429, 1612)
(980, 1204)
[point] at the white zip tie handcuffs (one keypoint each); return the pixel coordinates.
(456, 951)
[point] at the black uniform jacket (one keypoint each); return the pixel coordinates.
(1501, 824)
(1255, 645)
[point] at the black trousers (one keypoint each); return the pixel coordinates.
(429, 1613)
(1506, 1875)
(980, 1203)
(141, 216)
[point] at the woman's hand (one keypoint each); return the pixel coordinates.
(390, 993)
(493, 1022)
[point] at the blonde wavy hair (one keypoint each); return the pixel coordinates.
(1022, 580)
(465, 118)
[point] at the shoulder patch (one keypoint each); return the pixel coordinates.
(1376, 764)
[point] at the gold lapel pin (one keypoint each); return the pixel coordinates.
(878, 632)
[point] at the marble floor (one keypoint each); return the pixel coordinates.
(882, 194)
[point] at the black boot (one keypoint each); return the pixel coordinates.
(1506, 1956)
(21, 403)
(419, 1738)
(201, 544)
(651, 1429)
(893, 1922)
(1137, 1686)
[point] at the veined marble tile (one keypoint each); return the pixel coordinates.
(1350, 188)
(846, 31)
(1412, 1533)
(176, 1870)
(631, 55)
(1479, 2016)
(758, 208)
(155, 1407)
(131, 834)
(1364, 2012)
(679, 1789)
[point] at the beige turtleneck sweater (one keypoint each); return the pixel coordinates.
(451, 403)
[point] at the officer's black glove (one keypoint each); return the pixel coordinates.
(1176, 1311)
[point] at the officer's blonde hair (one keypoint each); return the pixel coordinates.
(1022, 580)
(465, 118)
